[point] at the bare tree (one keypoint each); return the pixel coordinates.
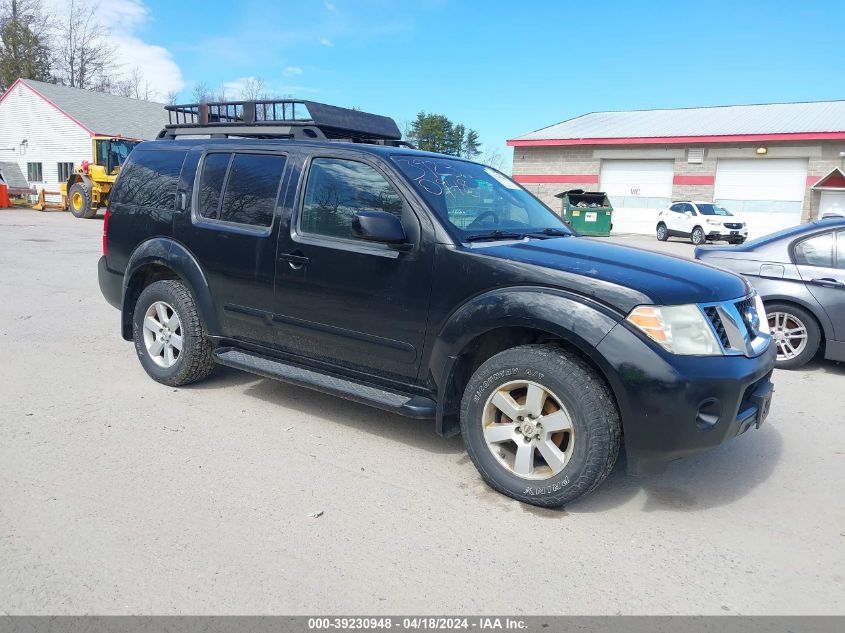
(85, 56)
(494, 158)
(252, 89)
(171, 97)
(202, 93)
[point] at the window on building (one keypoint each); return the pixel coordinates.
(64, 171)
(35, 172)
(337, 190)
(816, 251)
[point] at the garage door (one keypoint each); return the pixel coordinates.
(768, 193)
(638, 189)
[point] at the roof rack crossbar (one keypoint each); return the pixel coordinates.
(280, 118)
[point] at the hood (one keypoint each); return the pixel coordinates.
(623, 276)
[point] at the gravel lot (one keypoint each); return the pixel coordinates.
(121, 496)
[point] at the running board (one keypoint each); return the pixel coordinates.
(403, 404)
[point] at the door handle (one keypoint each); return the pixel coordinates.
(829, 282)
(296, 259)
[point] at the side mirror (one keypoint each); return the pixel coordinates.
(688, 214)
(379, 226)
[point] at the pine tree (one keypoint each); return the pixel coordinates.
(24, 48)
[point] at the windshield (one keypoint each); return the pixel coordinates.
(476, 200)
(712, 209)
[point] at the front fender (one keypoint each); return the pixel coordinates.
(579, 321)
(166, 252)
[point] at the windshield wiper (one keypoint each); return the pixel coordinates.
(552, 233)
(494, 235)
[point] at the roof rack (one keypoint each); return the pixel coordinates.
(279, 118)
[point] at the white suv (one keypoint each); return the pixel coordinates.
(700, 222)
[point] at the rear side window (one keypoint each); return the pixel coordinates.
(816, 251)
(149, 179)
(211, 184)
(240, 188)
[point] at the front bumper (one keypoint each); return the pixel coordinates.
(111, 284)
(675, 406)
(722, 233)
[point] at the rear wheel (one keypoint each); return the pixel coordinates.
(796, 334)
(662, 233)
(169, 338)
(79, 201)
(697, 236)
(540, 425)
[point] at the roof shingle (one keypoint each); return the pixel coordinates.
(104, 113)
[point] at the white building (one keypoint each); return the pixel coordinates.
(46, 129)
(775, 164)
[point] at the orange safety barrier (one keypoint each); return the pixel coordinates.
(4, 197)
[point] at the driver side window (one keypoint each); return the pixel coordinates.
(336, 190)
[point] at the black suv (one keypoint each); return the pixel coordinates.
(426, 285)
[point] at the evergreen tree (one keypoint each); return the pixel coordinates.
(24, 47)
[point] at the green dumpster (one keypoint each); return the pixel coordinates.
(588, 212)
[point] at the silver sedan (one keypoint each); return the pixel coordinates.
(800, 274)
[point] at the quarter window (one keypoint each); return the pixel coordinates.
(149, 179)
(337, 190)
(816, 251)
(840, 255)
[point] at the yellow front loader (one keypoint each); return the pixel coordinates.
(88, 187)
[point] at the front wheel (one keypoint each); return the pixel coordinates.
(169, 337)
(540, 425)
(80, 202)
(697, 236)
(662, 233)
(795, 332)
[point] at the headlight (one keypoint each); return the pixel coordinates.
(678, 329)
(713, 221)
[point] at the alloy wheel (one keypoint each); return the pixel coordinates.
(528, 430)
(163, 334)
(790, 334)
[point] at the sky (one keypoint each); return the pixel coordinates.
(501, 67)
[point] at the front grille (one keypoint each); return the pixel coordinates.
(741, 307)
(735, 325)
(716, 321)
(732, 225)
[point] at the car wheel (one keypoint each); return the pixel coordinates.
(169, 337)
(662, 233)
(796, 334)
(540, 425)
(697, 237)
(79, 201)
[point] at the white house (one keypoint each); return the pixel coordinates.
(46, 129)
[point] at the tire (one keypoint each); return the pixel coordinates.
(697, 236)
(662, 232)
(161, 302)
(589, 449)
(793, 352)
(79, 201)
